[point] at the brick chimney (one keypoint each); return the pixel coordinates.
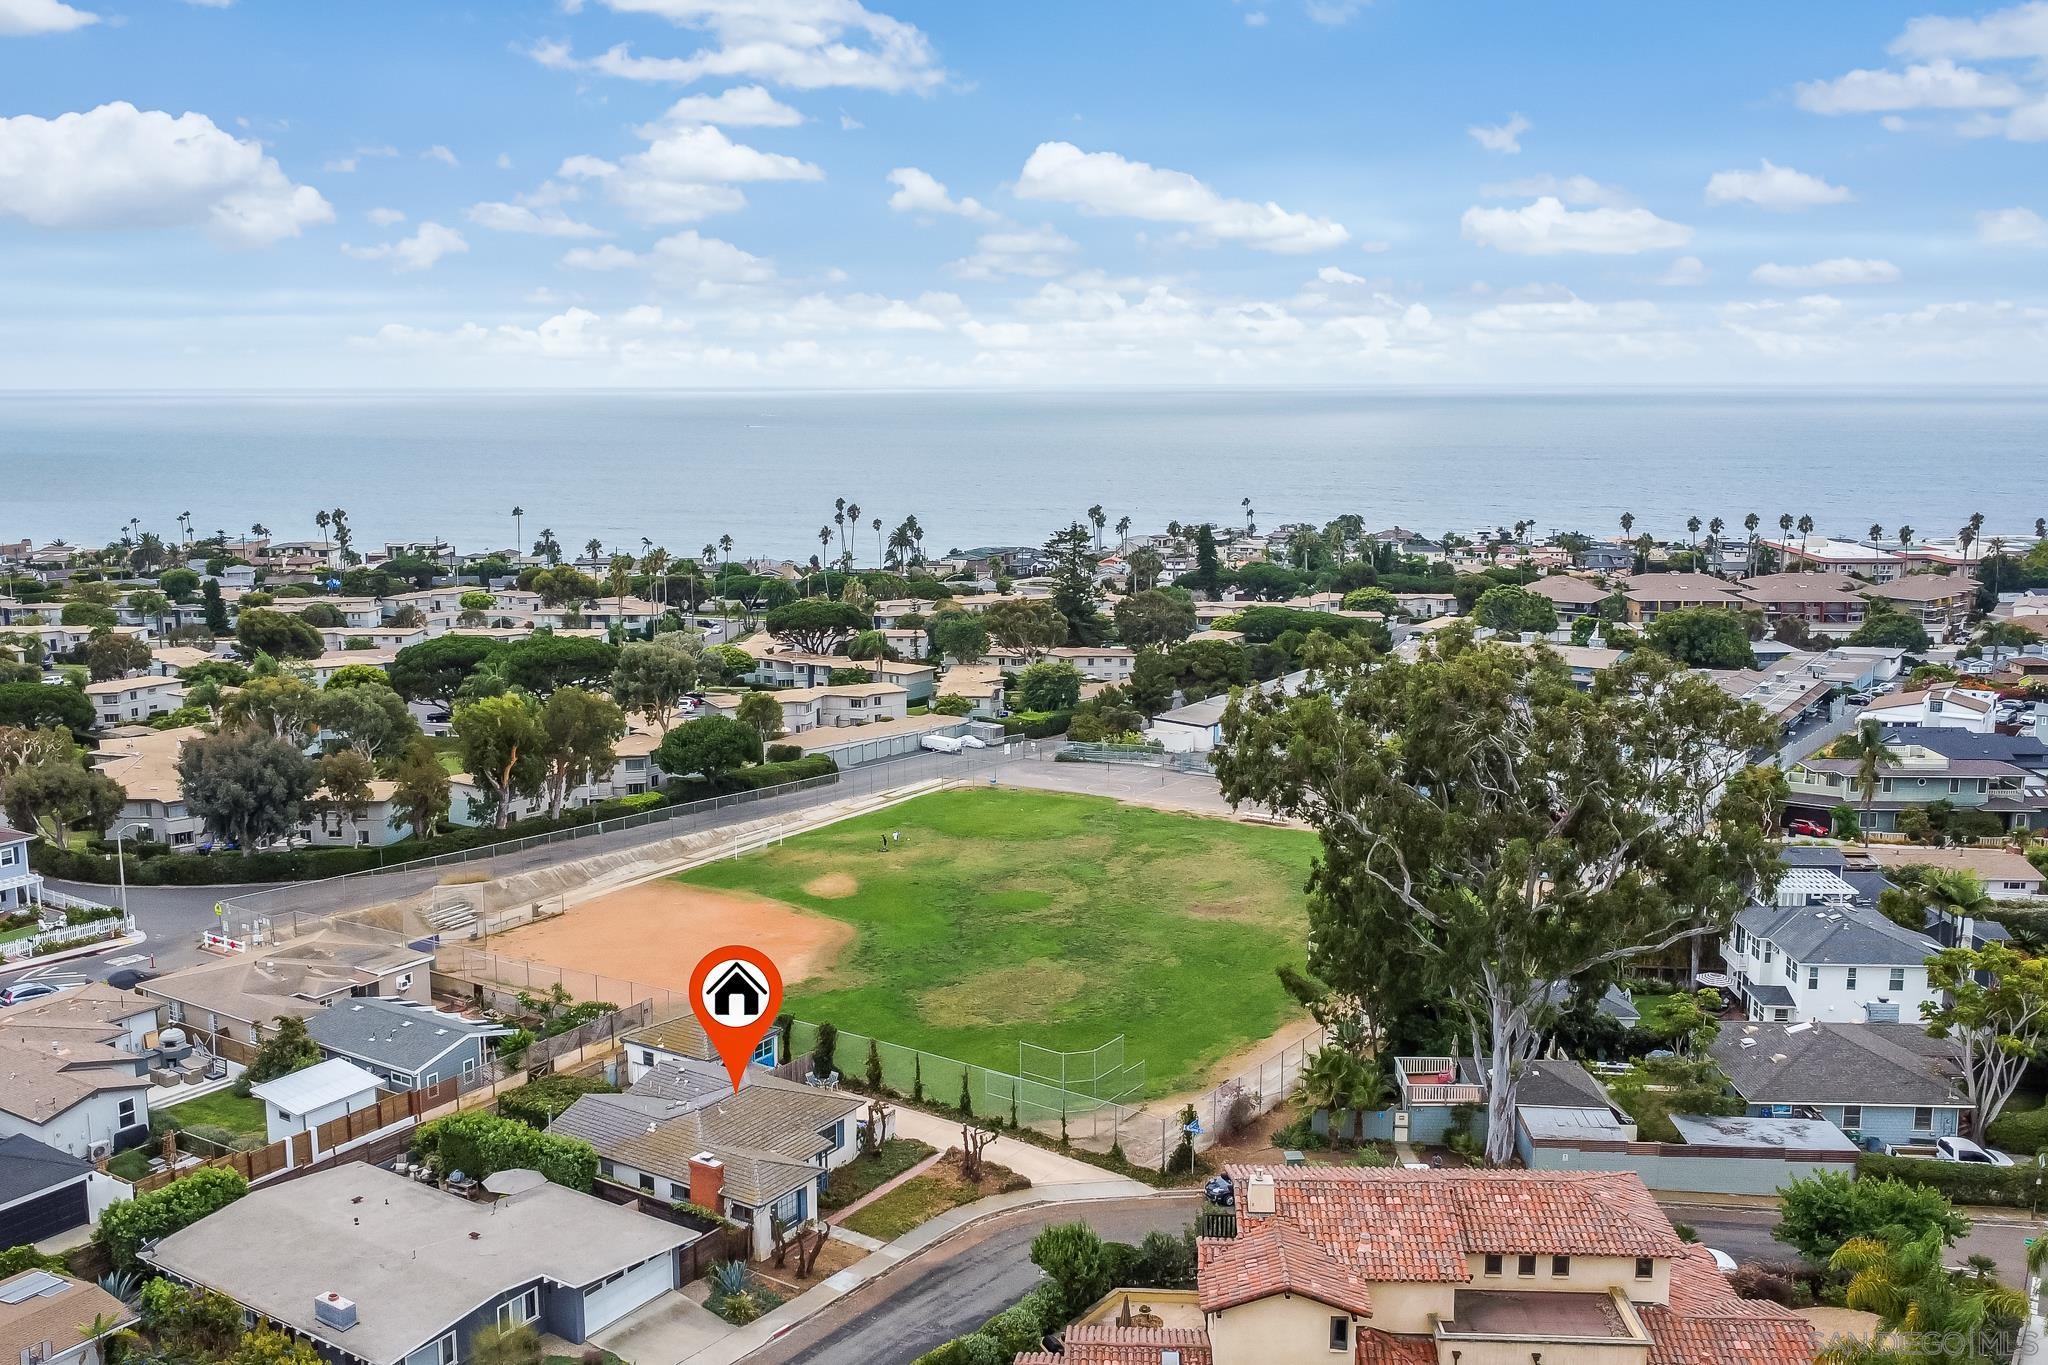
(707, 1181)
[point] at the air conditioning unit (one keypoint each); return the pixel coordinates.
(102, 1150)
(404, 981)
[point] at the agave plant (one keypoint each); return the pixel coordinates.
(125, 1285)
(728, 1278)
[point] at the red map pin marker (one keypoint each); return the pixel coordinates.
(736, 992)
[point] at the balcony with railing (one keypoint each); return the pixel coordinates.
(1435, 1082)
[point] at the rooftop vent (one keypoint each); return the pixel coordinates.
(332, 1310)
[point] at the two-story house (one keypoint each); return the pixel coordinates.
(1819, 952)
(1953, 707)
(1915, 777)
(20, 888)
(145, 765)
(131, 701)
(1399, 1267)
(74, 1070)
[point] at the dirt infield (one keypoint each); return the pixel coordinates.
(654, 933)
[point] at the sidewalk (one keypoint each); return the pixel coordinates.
(1036, 1164)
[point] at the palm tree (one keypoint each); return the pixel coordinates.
(547, 547)
(879, 556)
(655, 565)
(1965, 537)
(1098, 519)
(724, 547)
(517, 513)
(321, 520)
(824, 540)
(2041, 528)
(1905, 539)
(1628, 522)
(1692, 528)
(1866, 745)
(1123, 530)
(1906, 1284)
(1957, 895)
(839, 516)
(593, 549)
(1805, 530)
(1750, 523)
(1876, 533)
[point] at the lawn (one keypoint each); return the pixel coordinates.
(915, 1201)
(221, 1109)
(1006, 915)
(857, 1178)
(131, 1165)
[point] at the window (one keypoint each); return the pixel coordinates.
(1813, 978)
(1852, 1116)
(523, 1309)
(444, 1350)
(1492, 1264)
(1923, 1120)
(1767, 953)
(127, 1113)
(1898, 978)
(1852, 978)
(1781, 1016)
(1560, 1266)
(647, 1182)
(1955, 784)
(1791, 971)
(7, 857)
(1646, 1267)
(1340, 1334)
(1525, 1265)
(1738, 938)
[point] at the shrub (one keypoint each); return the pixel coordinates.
(951, 705)
(823, 1059)
(125, 1226)
(2020, 1130)
(1782, 1284)
(784, 753)
(1072, 1256)
(1965, 1183)
(541, 1102)
(1037, 724)
(481, 1144)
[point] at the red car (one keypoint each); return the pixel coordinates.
(1808, 827)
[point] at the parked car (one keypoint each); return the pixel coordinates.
(1859, 699)
(128, 978)
(21, 992)
(1811, 828)
(1963, 1150)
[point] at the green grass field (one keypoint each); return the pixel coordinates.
(1065, 920)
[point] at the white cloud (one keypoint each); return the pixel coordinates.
(1683, 273)
(441, 154)
(340, 165)
(1105, 183)
(1573, 189)
(918, 192)
(686, 174)
(1331, 274)
(1039, 252)
(1560, 310)
(1334, 13)
(1500, 137)
(742, 106)
(1807, 327)
(29, 18)
(1774, 187)
(2012, 227)
(385, 217)
(1547, 228)
(1822, 274)
(120, 167)
(849, 124)
(606, 257)
(519, 218)
(417, 252)
(2021, 31)
(504, 161)
(687, 259)
(1255, 19)
(1939, 84)
(802, 44)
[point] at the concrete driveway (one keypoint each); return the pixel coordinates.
(672, 1328)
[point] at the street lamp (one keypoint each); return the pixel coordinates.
(121, 859)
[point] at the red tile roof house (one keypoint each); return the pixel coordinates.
(1397, 1267)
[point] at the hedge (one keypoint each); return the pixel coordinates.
(1963, 1182)
(539, 1103)
(156, 865)
(126, 1225)
(1037, 724)
(480, 1144)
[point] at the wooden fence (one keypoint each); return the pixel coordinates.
(321, 1145)
(722, 1242)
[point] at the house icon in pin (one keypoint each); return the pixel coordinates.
(738, 983)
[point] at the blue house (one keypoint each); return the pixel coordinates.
(1879, 1083)
(404, 1044)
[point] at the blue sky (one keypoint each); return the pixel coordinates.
(249, 194)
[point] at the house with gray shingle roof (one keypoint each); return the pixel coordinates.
(682, 1134)
(404, 1044)
(1824, 953)
(1879, 1083)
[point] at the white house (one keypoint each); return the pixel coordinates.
(1815, 955)
(19, 887)
(377, 826)
(305, 1099)
(74, 1070)
(130, 701)
(1938, 708)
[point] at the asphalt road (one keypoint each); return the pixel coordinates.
(172, 916)
(958, 1285)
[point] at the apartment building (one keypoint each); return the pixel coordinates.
(131, 701)
(1941, 603)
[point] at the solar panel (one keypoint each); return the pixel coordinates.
(33, 1285)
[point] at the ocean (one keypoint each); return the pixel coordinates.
(981, 468)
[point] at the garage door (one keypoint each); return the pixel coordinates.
(607, 1303)
(46, 1215)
